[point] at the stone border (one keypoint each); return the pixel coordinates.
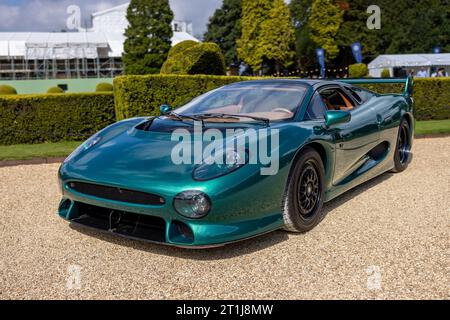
(11, 163)
(432, 135)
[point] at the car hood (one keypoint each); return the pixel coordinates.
(127, 156)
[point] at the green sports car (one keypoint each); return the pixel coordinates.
(239, 161)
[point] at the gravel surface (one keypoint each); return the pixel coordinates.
(388, 238)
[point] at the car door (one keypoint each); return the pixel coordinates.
(355, 139)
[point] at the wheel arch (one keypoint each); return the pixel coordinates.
(325, 156)
(321, 150)
(409, 118)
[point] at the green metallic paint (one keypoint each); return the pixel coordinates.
(244, 203)
(337, 117)
(165, 109)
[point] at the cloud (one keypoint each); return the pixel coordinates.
(8, 16)
(50, 15)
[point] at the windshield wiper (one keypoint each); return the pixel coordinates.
(181, 117)
(233, 116)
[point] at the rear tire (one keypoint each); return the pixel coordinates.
(302, 205)
(402, 156)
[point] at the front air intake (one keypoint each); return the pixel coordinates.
(117, 194)
(123, 223)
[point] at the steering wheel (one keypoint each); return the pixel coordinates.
(283, 110)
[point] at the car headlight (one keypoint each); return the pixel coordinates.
(192, 204)
(89, 143)
(230, 161)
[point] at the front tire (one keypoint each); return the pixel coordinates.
(402, 156)
(305, 192)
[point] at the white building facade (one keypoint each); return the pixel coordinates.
(95, 52)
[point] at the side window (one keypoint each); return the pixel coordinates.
(316, 109)
(336, 99)
(362, 94)
(354, 94)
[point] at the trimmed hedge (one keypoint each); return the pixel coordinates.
(201, 58)
(432, 98)
(385, 73)
(49, 117)
(5, 89)
(142, 95)
(358, 70)
(181, 47)
(104, 87)
(55, 90)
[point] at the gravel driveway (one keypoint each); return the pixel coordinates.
(388, 238)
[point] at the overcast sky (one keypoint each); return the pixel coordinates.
(50, 15)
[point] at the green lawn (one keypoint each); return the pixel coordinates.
(432, 127)
(63, 149)
(31, 151)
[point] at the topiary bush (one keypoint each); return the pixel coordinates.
(202, 58)
(51, 117)
(5, 89)
(181, 47)
(55, 90)
(358, 70)
(385, 73)
(104, 87)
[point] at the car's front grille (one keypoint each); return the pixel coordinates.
(117, 194)
(121, 222)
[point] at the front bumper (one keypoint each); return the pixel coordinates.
(160, 223)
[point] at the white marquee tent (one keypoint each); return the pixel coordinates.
(409, 61)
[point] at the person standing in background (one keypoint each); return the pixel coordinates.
(440, 73)
(422, 73)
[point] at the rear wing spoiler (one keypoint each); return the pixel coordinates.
(408, 82)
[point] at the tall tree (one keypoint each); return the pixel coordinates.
(267, 33)
(254, 12)
(224, 28)
(277, 36)
(420, 26)
(304, 46)
(148, 36)
(324, 23)
(354, 28)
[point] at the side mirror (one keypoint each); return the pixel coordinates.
(337, 117)
(165, 109)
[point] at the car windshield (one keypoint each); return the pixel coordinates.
(247, 102)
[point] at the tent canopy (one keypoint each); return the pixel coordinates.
(410, 60)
